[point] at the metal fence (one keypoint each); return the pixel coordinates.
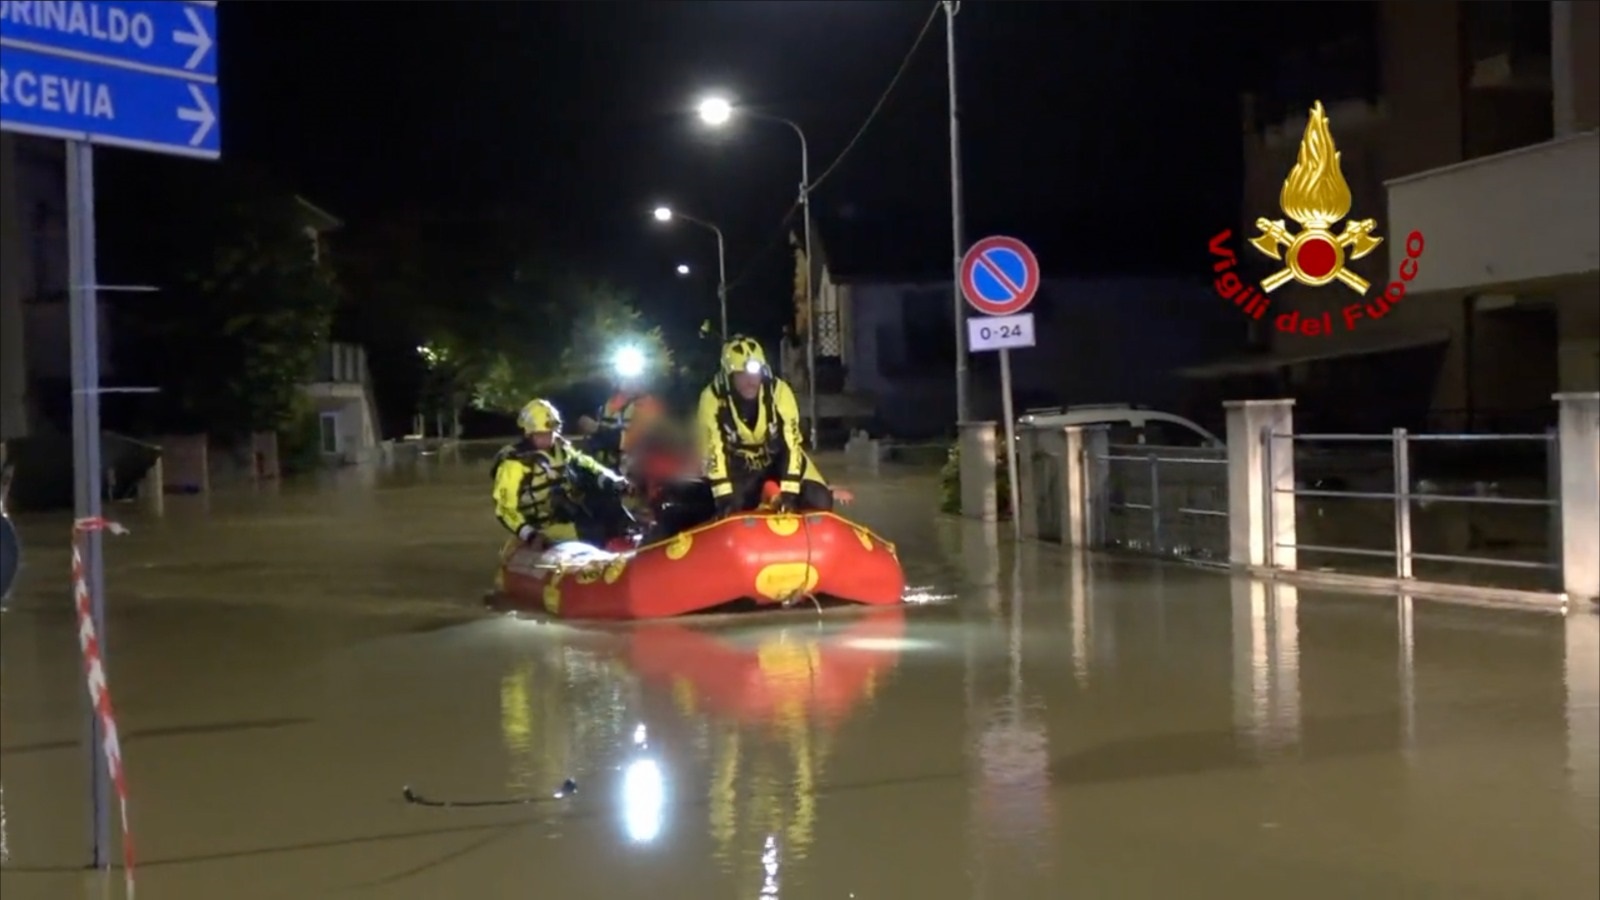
(1346, 521)
(1167, 501)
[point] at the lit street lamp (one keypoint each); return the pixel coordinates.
(667, 214)
(718, 111)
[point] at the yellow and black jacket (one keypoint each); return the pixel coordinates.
(739, 437)
(532, 487)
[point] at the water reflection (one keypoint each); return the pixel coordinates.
(1080, 610)
(643, 799)
(1582, 675)
(1405, 627)
(1266, 664)
(773, 696)
(1013, 815)
(556, 711)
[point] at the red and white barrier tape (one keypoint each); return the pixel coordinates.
(95, 673)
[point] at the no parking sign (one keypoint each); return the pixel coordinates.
(999, 278)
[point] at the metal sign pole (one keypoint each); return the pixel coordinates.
(999, 277)
(1011, 441)
(84, 324)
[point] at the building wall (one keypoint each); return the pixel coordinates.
(1575, 32)
(34, 272)
(1098, 340)
(15, 274)
(1459, 82)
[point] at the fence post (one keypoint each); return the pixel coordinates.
(1027, 491)
(1261, 525)
(1075, 512)
(1402, 504)
(1580, 494)
(1096, 484)
(1155, 504)
(979, 492)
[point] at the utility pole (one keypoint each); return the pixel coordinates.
(958, 303)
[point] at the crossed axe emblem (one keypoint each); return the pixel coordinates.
(1357, 239)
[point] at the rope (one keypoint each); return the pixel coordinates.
(883, 98)
(877, 107)
(95, 676)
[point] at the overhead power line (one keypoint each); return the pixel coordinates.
(788, 217)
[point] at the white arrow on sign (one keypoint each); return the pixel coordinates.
(199, 38)
(202, 116)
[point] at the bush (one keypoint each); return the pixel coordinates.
(300, 440)
(950, 484)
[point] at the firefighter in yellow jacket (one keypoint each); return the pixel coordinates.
(546, 491)
(749, 427)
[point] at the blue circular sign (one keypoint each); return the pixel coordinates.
(999, 276)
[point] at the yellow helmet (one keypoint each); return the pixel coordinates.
(744, 354)
(539, 415)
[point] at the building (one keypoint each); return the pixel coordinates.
(886, 345)
(1098, 340)
(35, 353)
(341, 390)
(1481, 136)
(838, 399)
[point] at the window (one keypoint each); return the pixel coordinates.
(1125, 433)
(1171, 434)
(330, 432)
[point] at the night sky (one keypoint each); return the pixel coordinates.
(1107, 135)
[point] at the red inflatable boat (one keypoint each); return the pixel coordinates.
(769, 559)
(783, 672)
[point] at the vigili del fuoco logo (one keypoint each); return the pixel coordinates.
(1315, 196)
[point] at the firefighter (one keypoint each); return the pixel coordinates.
(750, 434)
(546, 491)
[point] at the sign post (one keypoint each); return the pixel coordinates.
(1000, 276)
(140, 74)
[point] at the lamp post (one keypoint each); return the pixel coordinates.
(963, 407)
(667, 214)
(717, 111)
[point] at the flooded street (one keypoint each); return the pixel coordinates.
(1044, 726)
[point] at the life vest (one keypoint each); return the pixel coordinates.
(754, 442)
(543, 495)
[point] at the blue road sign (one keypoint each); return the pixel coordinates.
(999, 276)
(58, 96)
(158, 34)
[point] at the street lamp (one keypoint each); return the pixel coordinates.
(715, 111)
(718, 111)
(667, 214)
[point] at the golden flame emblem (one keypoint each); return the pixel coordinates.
(1316, 195)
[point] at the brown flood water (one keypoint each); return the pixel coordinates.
(1045, 726)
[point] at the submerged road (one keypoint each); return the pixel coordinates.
(1045, 726)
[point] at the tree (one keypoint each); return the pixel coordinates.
(244, 301)
(485, 324)
(567, 336)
